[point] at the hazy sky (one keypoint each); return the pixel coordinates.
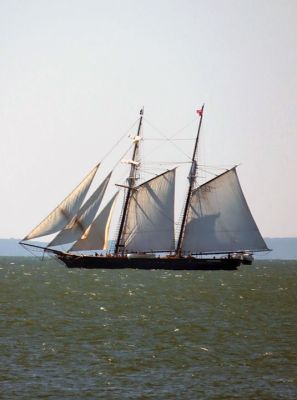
(74, 74)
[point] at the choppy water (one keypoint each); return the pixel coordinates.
(88, 334)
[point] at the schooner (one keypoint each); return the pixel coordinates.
(217, 229)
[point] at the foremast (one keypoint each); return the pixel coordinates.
(192, 181)
(119, 247)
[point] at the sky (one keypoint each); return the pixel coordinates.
(74, 75)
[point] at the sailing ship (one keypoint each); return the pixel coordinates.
(217, 230)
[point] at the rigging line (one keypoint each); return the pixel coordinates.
(174, 134)
(214, 166)
(185, 127)
(168, 139)
(207, 172)
(120, 159)
(119, 141)
(157, 147)
(213, 173)
(147, 172)
(206, 175)
(219, 167)
(167, 162)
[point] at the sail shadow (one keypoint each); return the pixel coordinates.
(201, 231)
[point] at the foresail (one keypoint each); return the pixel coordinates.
(219, 218)
(96, 236)
(65, 211)
(150, 218)
(83, 219)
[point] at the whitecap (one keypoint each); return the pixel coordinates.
(268, 353)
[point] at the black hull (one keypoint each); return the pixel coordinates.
(190, 263)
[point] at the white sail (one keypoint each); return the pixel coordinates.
(65, 211)
(219, 218)
(96, 236)
(150, 218)
(83, 219)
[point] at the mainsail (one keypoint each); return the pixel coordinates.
(83, 219)
(65, 211)
(149, 223)
(219, 219)
(96, 236)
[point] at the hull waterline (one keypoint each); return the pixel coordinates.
(190, 263)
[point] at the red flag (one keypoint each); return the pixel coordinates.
(200, 112)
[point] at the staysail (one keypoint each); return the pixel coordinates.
(82, 220)
(149, 223)
(219, 219)
(96, 236)
(65, 211)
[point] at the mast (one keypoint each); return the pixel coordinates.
(131, 183)
(192, 180)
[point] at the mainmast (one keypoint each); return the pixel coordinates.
(131, 183)
(192, 180)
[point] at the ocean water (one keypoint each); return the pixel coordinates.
(130, 334)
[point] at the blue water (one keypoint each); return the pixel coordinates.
(129, 334)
